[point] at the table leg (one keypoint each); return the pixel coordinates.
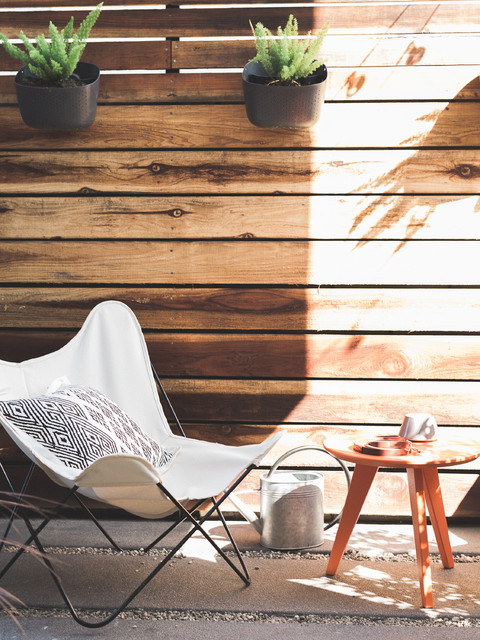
(419, 518)
(433, 495)
(361, 482)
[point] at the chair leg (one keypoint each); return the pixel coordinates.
(17, 498)
(197, 524)
(73, 612)
(232, 542)
(177, 522)
(96, 522)
(35, 532)
(152, 574)
(184, 515)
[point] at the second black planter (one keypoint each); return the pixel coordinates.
(74, 107)
(287, 107)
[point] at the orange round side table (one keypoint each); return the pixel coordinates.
(424, 489)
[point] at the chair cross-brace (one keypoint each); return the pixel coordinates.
(184, 515)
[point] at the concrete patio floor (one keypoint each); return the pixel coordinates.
(374, 594)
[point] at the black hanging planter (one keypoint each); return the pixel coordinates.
(75, 107)
(286, 107)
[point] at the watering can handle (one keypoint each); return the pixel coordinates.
(313, 448)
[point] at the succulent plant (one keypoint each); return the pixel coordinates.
(287, 58)
(54, 60)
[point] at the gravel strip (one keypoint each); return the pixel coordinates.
(265, 617)
(102, 551)
(351, 555)
(263, 554)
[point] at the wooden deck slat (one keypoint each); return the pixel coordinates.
(222, 172)
(358, 51)
(365, 83)
(381, 402)
(192, 22)
(348, 50)
(114, 55)
(325, 356)
(461, 493)
(80, 3)
(250, 309)
(312, 434)
(388, 496)
(286, 356)
(222, 126)
(351, 217)
(297, 434)
(336, 262)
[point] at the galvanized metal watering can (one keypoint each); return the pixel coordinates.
(291, 506)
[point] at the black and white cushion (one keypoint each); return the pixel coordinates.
(79, 425)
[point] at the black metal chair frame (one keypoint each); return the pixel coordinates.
(20, 510)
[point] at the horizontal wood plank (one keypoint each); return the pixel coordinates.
(416, 124)
(366, 83)
(354, 402)
(247, 309)
(190, 22)
(80, 3)
(388, 496)
(122, 55)
(313, 436)
(17, 4)
(344, 50)
(317, 356)
(259, 262)
(221, 172)
(242, 217)
(286, 356)
(307, 435)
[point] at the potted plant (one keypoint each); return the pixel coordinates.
(284, 84)
(54, 89)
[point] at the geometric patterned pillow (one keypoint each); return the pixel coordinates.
(79, 425)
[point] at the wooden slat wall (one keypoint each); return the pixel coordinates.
(315, 281)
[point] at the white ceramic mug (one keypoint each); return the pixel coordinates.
(419, 427)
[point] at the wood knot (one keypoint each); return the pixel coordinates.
(466, 171)
(155, 167)
(176, 213)
(246, 235)
(396, 365)
(87, 190)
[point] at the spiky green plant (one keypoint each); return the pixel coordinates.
(286, 58)
(54, 61)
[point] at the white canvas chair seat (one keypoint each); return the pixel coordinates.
(109, 355)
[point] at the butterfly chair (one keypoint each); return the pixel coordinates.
(89, 415)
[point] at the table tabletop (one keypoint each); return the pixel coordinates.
(443, 452)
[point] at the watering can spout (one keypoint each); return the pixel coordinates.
(247, 513)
